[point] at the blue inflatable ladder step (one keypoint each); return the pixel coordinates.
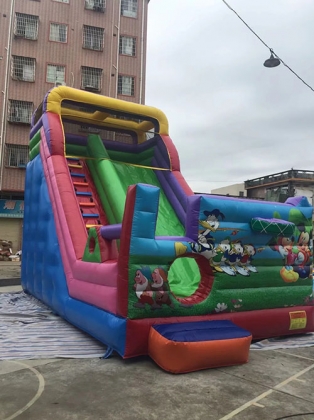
(191, 346)
(76, 175)
(90, 215)
(84, 194)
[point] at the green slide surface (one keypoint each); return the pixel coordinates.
(168, 223)
(112, 180)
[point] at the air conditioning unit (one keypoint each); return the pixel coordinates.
(60, 84)
(92, 88)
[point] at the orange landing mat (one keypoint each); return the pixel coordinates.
(191, 346)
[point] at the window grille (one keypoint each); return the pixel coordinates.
(58, 32)
(127, 45)
(23, 68)
(17, 156)
(88, 129)
(93, 38)
(20, 112)
(55, 73)
(96, 5)
(129, 8)
(71, 128)
(91, 78)
(122, 138)
(126, 85)
(26, 26)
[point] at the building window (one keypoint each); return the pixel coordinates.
(241, 193)
(88, 129)
(17, 155)
(127, 45)
(26, 26)
(91, 79)
(62, 1)
(23, 68)
(93, 38)
(58, 32)
(126, 85)
(96, 5)
(20, 112)
(55, 74)
(129, 8)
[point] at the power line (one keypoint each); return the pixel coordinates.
(270, 49)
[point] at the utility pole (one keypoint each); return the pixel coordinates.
(5, 91)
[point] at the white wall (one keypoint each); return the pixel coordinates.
(307, 192)
(230, 189)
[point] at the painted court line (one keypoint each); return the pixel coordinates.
(265, 394)
(40, 390)
(258, 405)
(295, 355)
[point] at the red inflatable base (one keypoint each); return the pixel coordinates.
(262, 324)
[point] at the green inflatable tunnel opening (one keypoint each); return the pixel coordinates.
(184, 277)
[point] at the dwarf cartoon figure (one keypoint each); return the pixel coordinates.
(160, 280)
(143, 288)
(162, 298)
(160, 287)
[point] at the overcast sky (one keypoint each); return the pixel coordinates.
(231, 118)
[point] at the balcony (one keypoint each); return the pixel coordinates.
(95, 5)
(281, 178)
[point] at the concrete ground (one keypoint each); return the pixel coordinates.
(277, 384)
(274, 384)
(10, 273)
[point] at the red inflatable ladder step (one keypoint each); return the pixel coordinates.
(87, 204)
(80, 184)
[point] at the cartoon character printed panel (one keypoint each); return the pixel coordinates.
(230, 255)
(151, 288)
(252, 270)
(268, 259)
(226, 239)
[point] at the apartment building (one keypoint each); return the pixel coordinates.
(96, 45)
(274, 187)
(282, 185)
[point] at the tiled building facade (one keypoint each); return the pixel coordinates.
(96, 45)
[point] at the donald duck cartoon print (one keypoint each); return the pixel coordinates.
(229, 256)
(206, 243)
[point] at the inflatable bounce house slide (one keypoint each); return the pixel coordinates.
(116, 242)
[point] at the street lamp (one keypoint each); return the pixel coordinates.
(272, 61)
